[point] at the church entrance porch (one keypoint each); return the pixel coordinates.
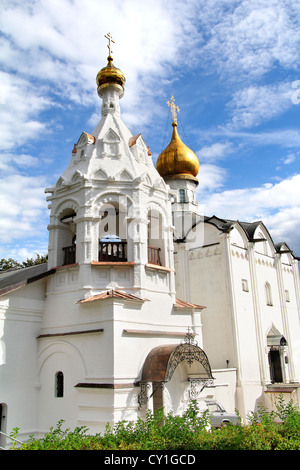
(173, 375)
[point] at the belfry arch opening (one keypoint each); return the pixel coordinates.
(113, 233)
(156, 242)
(67, 238)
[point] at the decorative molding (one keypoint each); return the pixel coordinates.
(153, 332)
(106, 385)
(68, 333)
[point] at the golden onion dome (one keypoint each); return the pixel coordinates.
(108, 76)
(177, 160)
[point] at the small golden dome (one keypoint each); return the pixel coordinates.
(110, 75)
(177, 160)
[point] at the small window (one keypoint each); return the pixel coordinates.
(268, 294)
(182, 195)
(245, 285)
(287, 296)
(59, 384)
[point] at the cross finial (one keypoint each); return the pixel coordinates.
(110, 40)
(189, 338)
(174, 109)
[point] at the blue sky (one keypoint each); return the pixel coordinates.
(233, 67)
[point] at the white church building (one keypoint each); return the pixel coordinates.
(144, 302)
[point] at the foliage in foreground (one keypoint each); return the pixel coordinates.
(10, 263)
(187, 432)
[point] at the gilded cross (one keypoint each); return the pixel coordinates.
(174, 109)
(110, 40)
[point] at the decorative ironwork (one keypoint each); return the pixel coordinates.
(197, 385)
(143, 396)
(189, 338)
(188, 351)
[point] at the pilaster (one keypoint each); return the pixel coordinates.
(284, 317)
(257, 313)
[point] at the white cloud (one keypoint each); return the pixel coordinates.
(60, 45)
(277, 205)
(23, 207)
(9, 161)
(61, 42)
(249, 37)
(290, 158)
(211, 178)
(256, 104)
(288, 138)
(215, 151)
(285, 226)
(22, 101)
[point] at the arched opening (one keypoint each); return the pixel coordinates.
(67, 238)
(268, 293)
(112, 233)
(276, 355)
(59, 384)
(156, 242)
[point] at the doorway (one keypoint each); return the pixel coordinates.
(275, 366)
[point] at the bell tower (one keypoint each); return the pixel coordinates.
(110, 209)
(111, 298)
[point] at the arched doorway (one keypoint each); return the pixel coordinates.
(276, 344)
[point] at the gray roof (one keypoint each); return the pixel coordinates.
(14, 278)
(249, 228)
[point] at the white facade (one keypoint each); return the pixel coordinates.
(95, 335)
(251, 290)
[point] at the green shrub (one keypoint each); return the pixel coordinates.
(158, 431)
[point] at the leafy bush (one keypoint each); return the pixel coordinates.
(188, 432)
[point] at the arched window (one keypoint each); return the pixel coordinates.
(268, 294)
(59, 384)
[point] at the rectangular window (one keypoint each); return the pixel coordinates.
(182, 195)
(287, 296)
(245, 285)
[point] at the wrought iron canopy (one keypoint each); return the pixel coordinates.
(162, 361)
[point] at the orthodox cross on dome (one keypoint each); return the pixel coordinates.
(110, 40)
(174, 109)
